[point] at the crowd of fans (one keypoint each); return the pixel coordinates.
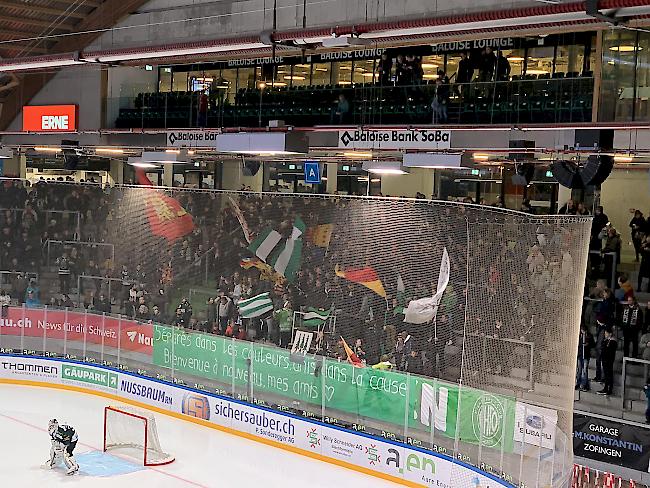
(149, 275)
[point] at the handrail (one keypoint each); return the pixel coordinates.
(627, 360)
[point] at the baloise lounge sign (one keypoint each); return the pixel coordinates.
(362, 392)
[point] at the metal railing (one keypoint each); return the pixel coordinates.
(627, 364)
(514, 101)
(56, 248)
(481, 428)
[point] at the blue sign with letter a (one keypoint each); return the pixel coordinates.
(312, 172)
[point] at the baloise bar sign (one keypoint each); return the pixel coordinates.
(611, 442)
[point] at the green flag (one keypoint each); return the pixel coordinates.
(256, 306)
(315, 317)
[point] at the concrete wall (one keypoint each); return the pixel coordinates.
(233, 179)
(161, 21)
(418, 180)
(79, 85)
(624, 190)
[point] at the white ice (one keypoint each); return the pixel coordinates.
(204, 457)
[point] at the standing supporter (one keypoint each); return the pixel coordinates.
(224, 311)
(638, 227)
(631, 320)
(64, 273)
(610, 347)
(585, 343)
(5, 302)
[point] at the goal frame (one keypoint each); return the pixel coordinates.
(146, 429)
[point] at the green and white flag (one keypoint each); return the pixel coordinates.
(315, 317)
(256, 306)
(264, 244)
(287, 263)
(285, 260)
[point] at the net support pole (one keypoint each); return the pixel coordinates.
(85, 334)
(103, 331)
(323, 371)
(22, 332)
(406, 407)
(65, 332)
(521, 449)
(532, 366)
(173, 357)
(119, 339)
(45, 331)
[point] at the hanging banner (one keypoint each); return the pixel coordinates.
(395, 139)
(611, 442)
(192, 138)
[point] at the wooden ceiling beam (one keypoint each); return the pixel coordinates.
(25, 49)
(45, 24)
(39, 9)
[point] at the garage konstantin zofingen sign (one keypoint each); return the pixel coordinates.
(395, 139)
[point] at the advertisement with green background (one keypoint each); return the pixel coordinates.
(362, 392)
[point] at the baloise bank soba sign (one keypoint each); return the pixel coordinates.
(395, 139)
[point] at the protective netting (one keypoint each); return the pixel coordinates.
(133, 429)
(482, 370)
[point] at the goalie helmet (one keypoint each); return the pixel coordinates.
(52, 426)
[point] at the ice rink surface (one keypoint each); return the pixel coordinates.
(204, 457)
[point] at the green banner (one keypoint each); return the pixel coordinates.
(362, 392)
(89, 375)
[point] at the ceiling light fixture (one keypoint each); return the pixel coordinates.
(480, 157)
(432, 160)
(385, 167)
(47, 149)
(623, 158)
(108, 150)
(40, 62)
(358, 154)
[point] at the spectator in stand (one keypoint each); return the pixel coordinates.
(631, 320)
(400, 71)
(202, 119)
(638, 226)
(646, 390)
(359, 351)
(224, 312)
(569, 208)
(612, 245)
(66, 301)
(157, 316)
(64, 273)
(31, 299)
(142, 313)
(582, 209)
(184, 311)
(644, 345)
(211, 316)
(625, 290)
(340, 111)
(464, 75)
(608, 354)
(502, 67)
(5, 302)
(585, 344)
(441, 99)
(644, 268)
(488, 65)
(385, 69)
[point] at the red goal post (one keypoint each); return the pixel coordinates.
(134, 429)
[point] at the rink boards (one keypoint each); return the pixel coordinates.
(354, 450)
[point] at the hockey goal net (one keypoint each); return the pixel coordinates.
(134, 432)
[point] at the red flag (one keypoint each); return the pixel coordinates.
(167, 217)
(353, 359)
(365, 276)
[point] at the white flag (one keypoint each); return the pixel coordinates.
(424, 310)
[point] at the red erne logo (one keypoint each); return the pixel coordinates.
(49, 118)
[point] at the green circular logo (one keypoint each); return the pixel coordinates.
(487, 420)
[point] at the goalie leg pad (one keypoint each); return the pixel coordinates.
(56, 455)
(69, 459)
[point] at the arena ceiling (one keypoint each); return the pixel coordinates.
(39, 27)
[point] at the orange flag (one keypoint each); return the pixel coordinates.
(167, 217)
(353, 359)
(366, 276)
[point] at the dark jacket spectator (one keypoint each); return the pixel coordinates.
(465, 71)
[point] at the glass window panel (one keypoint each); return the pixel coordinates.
(282, 75)
(321, 74)
(617, 86)
(342, 72)
(165, 79)
(301, 74)
(179, 81)
(227, 85)
(540, 61)
(364, 72)
(516, 59)
(570, 59)
(641, 110)
(246, 78)
(430, 67)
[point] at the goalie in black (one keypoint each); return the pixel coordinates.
(64, 440)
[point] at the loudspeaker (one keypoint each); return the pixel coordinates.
(597, 169)
(521, 144)
(70, 154)
(523, 174)
(567, 174)
(594, 172)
